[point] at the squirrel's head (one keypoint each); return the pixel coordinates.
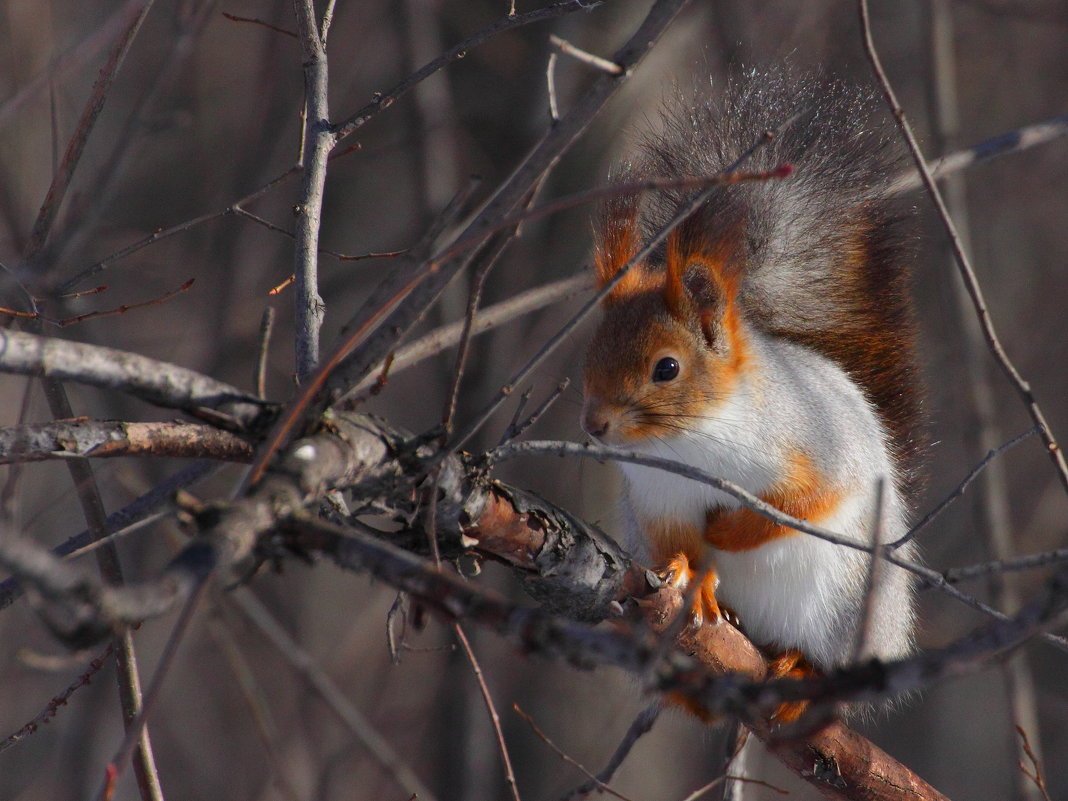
(672, 344)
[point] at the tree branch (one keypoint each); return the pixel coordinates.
(156, 382)
(65, 439)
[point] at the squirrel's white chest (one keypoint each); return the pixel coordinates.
(726, 445)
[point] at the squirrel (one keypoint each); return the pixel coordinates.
(769, 341)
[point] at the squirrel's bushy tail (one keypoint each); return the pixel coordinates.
(822, 254)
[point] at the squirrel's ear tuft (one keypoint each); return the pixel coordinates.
(693, 275)
(618, 241)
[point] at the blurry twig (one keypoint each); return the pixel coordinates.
(57, 191)
(604, 788)
(383, 100)
(491, 710)
(53, 706)
(304, 663)
(1028, 562)
(254, 21)
(259, 379)
(75, 57)
(1035, 772)
(1003, 145)
(254, 695)
(964, 265)
(640, 726)
(550, 80)
(136, 739)
(487, 319)
(878, 526)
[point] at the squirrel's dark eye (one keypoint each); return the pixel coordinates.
(667, 369)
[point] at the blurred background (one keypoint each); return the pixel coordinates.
(206, 111)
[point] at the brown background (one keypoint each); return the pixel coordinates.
(206, 110)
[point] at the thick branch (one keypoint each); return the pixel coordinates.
(160, 383)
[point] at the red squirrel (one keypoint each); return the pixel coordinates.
(769, 341)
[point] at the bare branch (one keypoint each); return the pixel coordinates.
(320, 139)
(156, 382)
(65, 439)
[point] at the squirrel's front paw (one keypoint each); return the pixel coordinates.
(680, 575)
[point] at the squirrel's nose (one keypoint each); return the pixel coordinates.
(594, 424)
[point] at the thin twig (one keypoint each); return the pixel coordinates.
(119, 522)
(259, 379)
(135, 732)
(964, 265)
(240, 211)
(164, 233)
(960, 488)
(52, 708)
(513, 425)
(604, 788)
(354, 720)
(550, 80)
(732, 175)
(487, 699)
(577, 53)
(93, 315)
(871, 584)
(384, 100)
(57, 191)
(639, 727)
(1035, 773)
(515, 428)
(1029, 562)
(487, 319)
(254, 21)
(700, 791)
